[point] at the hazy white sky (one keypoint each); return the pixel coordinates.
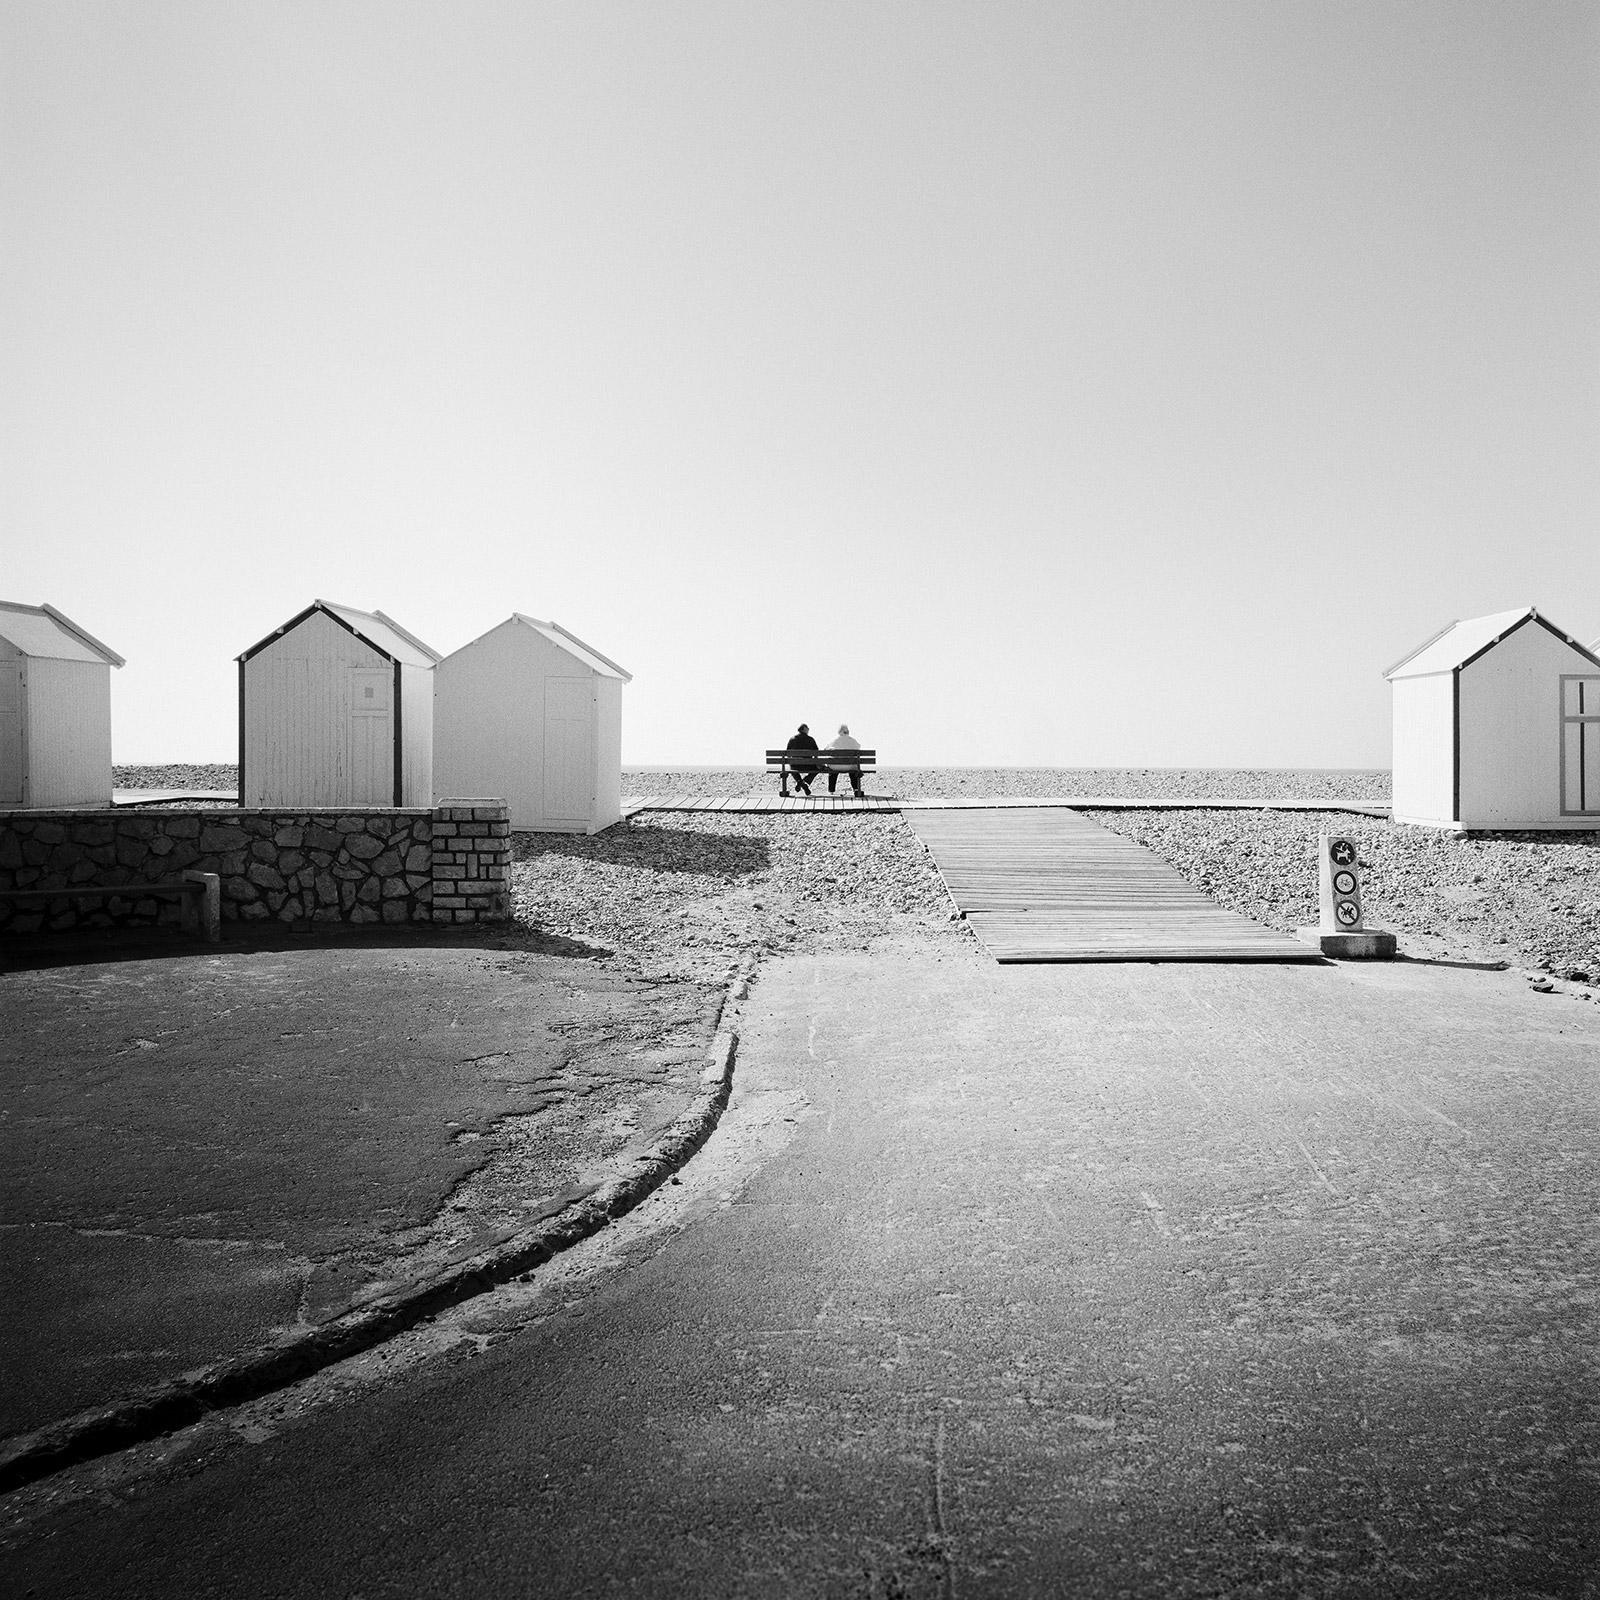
(1053, 383)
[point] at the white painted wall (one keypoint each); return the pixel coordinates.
(1511, 732)
(1423, 776)
(520, 719)
(312, 735)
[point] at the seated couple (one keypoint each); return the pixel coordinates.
(806, 772)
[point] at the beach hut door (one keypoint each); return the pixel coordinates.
(1580, 746)
(371, 739)
(568, 756)
(10, 733)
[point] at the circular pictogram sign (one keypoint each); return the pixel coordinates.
(1344, 881)
(1348, 912)
(1342, 853)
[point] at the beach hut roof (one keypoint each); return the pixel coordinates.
(1463, 642)
(45, 632)
(572, 644)
(384, 634)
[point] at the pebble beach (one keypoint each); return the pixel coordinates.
(694, 893)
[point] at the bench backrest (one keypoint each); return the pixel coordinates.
(778, 758)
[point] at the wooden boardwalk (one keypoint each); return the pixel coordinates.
(1038, 885)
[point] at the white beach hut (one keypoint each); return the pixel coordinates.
(1497, 725)
(336, 709)
(55, 710)
(531, 714)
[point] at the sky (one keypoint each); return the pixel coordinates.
(1057, 384)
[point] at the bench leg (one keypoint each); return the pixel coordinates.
(202, 906)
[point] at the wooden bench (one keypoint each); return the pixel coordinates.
(200, 894)
(817, 762)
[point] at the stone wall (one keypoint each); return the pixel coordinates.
(471, 852)
(392, 865)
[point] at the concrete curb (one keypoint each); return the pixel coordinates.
(170, 1406)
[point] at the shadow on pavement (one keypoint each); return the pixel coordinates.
(104, 946)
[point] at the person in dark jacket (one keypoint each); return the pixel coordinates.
(804, 772)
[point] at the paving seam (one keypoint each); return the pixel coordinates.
(170, 1406)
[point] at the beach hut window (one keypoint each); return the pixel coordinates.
(371, 698)
(1580, 745)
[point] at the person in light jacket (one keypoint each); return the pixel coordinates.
(844, 742)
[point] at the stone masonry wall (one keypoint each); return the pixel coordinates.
(353, 866)
(471, 851)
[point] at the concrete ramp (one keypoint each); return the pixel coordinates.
(1042, 885)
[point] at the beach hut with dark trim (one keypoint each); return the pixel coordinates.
(1497, 725)
(336, 709)
(55, 710)
(531, 714)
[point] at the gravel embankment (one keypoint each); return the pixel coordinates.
(177, 775)
(692, 893)
(987, 783)
(1532, 900)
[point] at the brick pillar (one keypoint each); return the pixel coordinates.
(471, 860)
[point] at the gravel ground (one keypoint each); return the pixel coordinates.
(691, 894)
(1531, 900)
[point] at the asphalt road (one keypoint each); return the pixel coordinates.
(1068, 1280)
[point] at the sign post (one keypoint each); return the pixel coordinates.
(1339, 885)
(1341, 929)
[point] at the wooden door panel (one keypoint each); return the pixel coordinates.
(568, 753)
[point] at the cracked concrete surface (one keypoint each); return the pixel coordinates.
(201, 1152)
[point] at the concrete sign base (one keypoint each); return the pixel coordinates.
(1365, 944)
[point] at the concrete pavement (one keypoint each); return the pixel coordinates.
(1120, 1280)
(206, 1155)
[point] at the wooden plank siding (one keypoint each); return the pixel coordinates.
(1040, 885)
(67, 732)
(304, 742)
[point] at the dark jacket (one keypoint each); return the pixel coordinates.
(802, 741)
